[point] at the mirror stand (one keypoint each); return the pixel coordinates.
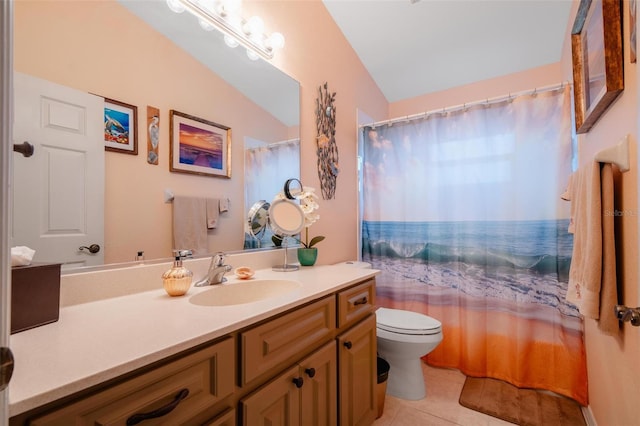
(285, 267)
(286, 219)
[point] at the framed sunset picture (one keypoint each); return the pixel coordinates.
(199, 146)
(120, 124)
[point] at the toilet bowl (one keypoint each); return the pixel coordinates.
(403, 338)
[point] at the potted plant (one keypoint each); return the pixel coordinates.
(308, 254)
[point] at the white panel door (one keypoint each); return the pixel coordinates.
(58, 194)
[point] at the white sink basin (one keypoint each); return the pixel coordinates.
(243, 292)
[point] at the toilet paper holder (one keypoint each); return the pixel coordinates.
(624, 313)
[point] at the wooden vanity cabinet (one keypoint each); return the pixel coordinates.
(312, 365)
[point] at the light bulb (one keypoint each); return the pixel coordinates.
(205, 25)
(255, 25)
(230, 41)
(252, 55)
(275, 41)
(175, 6)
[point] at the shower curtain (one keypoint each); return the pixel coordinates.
(266, 169)
(462, 214)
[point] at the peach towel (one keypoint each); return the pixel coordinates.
(213, 211)
(190, 224)
(592, 277)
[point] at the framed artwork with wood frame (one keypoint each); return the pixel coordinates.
(198, 146)
(596, 44)
(120, 127)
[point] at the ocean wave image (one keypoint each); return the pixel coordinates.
(520, 262)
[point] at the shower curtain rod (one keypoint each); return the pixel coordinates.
(271, 145)
(445, 110)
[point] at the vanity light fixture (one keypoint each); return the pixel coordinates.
(224, 15)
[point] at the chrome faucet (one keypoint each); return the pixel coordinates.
(217, 269)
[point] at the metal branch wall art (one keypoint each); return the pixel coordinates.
(326, 142)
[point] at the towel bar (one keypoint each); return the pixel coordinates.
(624, 314)
(617, 154)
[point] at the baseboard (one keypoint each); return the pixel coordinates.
(588, 416)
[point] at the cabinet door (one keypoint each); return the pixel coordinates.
(319, 405)
(357, 373)
(276, 404)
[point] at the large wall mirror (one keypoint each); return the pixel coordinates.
(142, 54)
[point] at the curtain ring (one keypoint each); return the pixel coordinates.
(288, 188)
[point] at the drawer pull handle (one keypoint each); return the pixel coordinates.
(348, 344)
(361, 301)
(162, 411)
(298, 381)
(310, 372)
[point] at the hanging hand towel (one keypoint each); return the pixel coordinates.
(586, 261)
(608, 322)
(224, 205)
(190, 224)
(213, 211)
(592, 277)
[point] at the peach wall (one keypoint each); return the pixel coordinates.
(316, 52)
(101, 48)
(612, 362)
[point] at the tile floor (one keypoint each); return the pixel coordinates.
(439, 408)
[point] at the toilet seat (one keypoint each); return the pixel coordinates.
(406, 322)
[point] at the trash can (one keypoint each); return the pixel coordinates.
(381, 387)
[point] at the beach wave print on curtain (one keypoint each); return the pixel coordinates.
(463, 216)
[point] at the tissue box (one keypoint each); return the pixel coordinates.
(35, 295)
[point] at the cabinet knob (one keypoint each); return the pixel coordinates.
(348, 344)
(298, 381)
(310, 372)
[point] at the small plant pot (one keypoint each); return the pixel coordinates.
(307, 256)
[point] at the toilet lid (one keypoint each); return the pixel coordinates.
(406, 322)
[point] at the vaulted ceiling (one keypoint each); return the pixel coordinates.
(415, 47)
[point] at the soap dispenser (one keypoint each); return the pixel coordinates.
(177, 280)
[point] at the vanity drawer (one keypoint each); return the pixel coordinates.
(192, 384)
(356, 302)
(274, 342)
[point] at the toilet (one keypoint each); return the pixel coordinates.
(403, 338)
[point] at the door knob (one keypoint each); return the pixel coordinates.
(24, 148)
(93, 248)
(6, 367)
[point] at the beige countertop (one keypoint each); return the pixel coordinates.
(99, 340)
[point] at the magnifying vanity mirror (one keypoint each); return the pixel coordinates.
(152, 57)
(258, 221)
(286, 218)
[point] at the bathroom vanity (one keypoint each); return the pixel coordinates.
(306, 355)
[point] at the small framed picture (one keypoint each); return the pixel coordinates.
(199, 146)
(120, 127)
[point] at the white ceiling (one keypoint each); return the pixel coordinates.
(416, 47)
